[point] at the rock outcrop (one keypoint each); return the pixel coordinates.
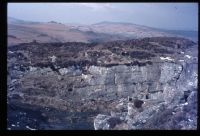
(127, 83)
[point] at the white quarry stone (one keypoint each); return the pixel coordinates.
(180, 68)
(97, 70)
(184, 104)
(10, 52)
(131, 109)
(30, 128)
(100, 122)
(32, 68)
(144, 121)
(190, 83)
(188, 56)
(190, 120)
(84, 76)
(63, 71)
(14, 80)
(167, 58)
(53, 58)
(122, 99)
(195, 74)
(182, 52)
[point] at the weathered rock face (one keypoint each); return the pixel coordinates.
(129, 92)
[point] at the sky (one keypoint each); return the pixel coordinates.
(173, 16)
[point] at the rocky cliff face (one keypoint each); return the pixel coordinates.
(147, 83)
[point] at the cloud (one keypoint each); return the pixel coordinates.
(96, 6)
(93, 6)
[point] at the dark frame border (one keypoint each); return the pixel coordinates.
(3, 69)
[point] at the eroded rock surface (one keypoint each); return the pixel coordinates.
(122, 84)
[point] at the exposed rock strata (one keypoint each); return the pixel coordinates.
(122, 80)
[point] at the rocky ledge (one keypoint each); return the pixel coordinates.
(148, 83)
